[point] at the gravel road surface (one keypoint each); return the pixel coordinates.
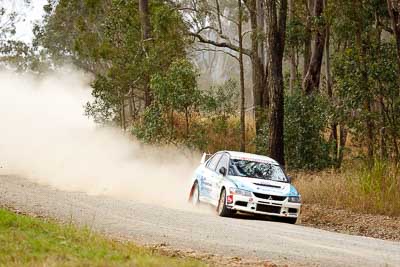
(201, 231)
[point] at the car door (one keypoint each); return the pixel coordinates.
(206, 181)
(217, 178)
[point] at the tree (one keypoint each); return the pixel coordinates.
(276, 14)
(177, 90)
(394, 13)
(312, 78)
(258, 60)
(309, 6)
(292, 52)
(242, 89)
(207, 21)
(105, 38)
(13, 51)
(146, 35)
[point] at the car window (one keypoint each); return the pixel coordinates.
(212, 163)
(256, 169)
(223, 162)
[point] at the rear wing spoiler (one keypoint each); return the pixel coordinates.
(205, 157)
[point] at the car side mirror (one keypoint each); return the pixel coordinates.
(222, 171)
(290, 179)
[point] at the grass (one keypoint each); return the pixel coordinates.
(26, 241)
(358, 188)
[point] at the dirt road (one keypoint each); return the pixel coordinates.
(200, 231)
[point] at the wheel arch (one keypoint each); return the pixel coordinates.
(195, 182)
(223, 187)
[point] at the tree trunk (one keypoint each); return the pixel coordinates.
(146, 35)
(130, 106)
(242, 89)
(261, 28)
(292, 53)
(187, 121)
(328, 75)
(145, 19)
(307, 39)
(123, 116)
(342, 144)
(370, 132)
(257, 65)
(329, 88)
(277, 14)
(312, 79)
(358, 5)
(394, 13)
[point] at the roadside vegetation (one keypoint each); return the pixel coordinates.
(359, 188)
(321, 94)
(27, 241)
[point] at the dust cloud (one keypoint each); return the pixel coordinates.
(45, 136)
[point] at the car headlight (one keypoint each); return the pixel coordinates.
(241, 192)
(295, 199)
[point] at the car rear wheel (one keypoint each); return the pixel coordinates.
(194, 198)
(222, 209)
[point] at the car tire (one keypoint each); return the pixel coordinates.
(289, 220)
(222, 209)
(194, 197)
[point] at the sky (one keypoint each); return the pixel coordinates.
(32, 14)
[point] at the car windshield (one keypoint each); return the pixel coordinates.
(257, 170)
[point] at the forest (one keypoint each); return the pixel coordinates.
(314, 84)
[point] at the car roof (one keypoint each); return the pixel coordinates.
(249, 156)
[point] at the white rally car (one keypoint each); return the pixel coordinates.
(236, 181)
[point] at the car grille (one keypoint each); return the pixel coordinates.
(268, 208)
(268, 185)
(241, 203)
(270, 197)
(292, 210)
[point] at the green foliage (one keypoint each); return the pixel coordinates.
(367, 78)
(28, 241)
(152, 127)
(222, 99)
(174, 92)
(306, 118)
(104, 38)
(220, 105)
(210, 112)
(295, 33)
(103, 108)
(177, 88)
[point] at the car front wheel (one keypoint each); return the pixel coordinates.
(222, 209)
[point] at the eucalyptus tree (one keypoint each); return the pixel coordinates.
(106, 38)
(276, 15)
(215, 23)
(146, 37)
(394, 12)
(13, 51)
(312, 78)
(209, 23)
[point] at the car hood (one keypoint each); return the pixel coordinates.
(264, 186)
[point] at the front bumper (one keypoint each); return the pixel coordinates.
(257, 205)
